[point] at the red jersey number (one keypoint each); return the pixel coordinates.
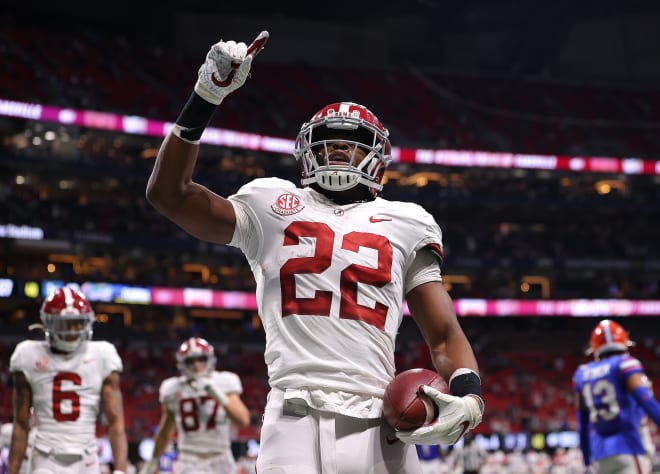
(350, 276)
(189, 409)
(66, 403)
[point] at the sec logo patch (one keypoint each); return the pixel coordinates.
(287, 204)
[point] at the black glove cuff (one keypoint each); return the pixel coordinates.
(467, 383)
(194, 117)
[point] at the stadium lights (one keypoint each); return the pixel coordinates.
(122, 294)
(135, 125)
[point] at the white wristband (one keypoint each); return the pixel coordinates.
(204, 93)
(177, 129)
(117, 471)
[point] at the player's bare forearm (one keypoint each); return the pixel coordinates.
(22, 401)
(237, 411)
(433, 310)
(456, 352)
(164, 432)
(196, 209)
(17, 449)
(171, 190)
(113, 409)
(119, 444)
(172, 172)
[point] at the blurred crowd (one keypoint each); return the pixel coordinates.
(70, 67)
(580, 235)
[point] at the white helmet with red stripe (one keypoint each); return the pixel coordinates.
(194, 349)
(68, 318)
(355, 126)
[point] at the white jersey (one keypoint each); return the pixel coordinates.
(6, 430)
(66, 391)
(203, 426)
(330, 285)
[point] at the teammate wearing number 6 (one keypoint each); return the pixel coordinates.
(333, 262)
(614, 397)
(68, 379)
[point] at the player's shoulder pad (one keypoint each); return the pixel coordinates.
(26, 353)
(409, 206)
(170, 384)
(229, 379)
(267, 183)
(101, 348)
(628, 363)
(225, 374)
(408, 210)
(578, 371)
(27, 345)
(102, 345)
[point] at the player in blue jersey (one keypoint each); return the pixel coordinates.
(613, 397)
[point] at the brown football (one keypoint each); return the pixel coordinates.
(406, 409)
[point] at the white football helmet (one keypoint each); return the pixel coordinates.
(67, 318)
(343, 123)
(191, 349)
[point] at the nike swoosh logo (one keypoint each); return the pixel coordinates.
(227, 81)
(373, 219)
(391, 441)
(465, 425)
(255, 48)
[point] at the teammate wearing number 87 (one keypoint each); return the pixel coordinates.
(613, 396)
(333, 262)
(68, 380)
(199, 404)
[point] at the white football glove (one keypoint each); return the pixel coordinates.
(204, 382)
(456, 416)
(226, 68)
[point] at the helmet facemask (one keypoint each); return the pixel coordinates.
(67, 333)
(191, 351)
(357, 131)
(67, 319)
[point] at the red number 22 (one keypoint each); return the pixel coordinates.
(350, 276)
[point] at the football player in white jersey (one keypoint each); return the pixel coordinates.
(6, 430)
(333, 263)
(66, 379)
(200, 403)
